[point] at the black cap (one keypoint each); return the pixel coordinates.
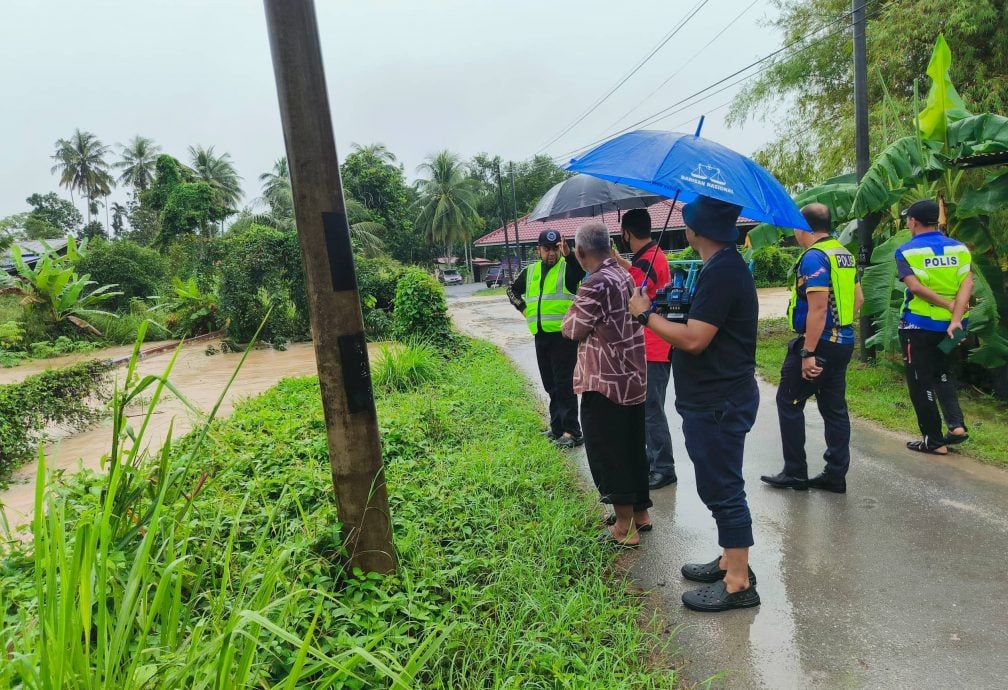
(549, 238)
(924, 212)
(712, 218)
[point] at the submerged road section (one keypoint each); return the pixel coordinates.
(900, 583)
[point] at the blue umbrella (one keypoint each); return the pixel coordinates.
(685, 165)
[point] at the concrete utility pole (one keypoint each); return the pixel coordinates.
(337, 325)
(865, 225)
(504, 224)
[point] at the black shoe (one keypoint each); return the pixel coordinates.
(715, 598)
(549, 435)
(566, 442)
(828, 482)
(710, 572)
(657, 480)
(785, 481)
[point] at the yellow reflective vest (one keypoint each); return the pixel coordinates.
(547, 300)
(843, 281)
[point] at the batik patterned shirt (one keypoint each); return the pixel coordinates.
(611, 357)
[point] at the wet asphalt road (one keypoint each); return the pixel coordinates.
(900, 583)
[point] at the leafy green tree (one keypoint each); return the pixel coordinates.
(376, 150)
(447, 202)
(809, 90)
(51, 216)
(137, 161)
(183, 203)
(12, 228)
(80, 162)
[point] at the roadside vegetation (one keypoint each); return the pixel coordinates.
(218, 562)
(877, 392)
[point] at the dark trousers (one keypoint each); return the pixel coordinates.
(614, 444)
(556, 356)
(715, 441)
(657, 436)
(930, 382)
(830, 390)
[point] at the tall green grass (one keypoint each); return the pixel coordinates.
(219, 561)
(404, 366)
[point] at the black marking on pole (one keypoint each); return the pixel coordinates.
(356, 373)
(337, 238)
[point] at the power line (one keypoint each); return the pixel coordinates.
(668, 37)
(683, 65)
(655, 117)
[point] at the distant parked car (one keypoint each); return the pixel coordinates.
(497, 275)
(450, 277)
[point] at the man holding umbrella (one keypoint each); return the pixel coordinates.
(714, 355)
(713, 366)
(544, 292)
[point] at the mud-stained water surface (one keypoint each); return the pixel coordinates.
(897, 584)
(199, 377)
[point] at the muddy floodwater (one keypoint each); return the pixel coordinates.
(199, 377)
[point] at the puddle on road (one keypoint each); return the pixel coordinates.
(199, 377)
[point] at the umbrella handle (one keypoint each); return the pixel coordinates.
(654, 254)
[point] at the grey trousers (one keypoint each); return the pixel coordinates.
(656, 430)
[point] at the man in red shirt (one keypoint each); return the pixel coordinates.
(649, 261)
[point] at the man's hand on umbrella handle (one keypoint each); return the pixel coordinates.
(639, 302)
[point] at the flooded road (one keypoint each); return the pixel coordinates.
(199, 377)
(897, 584)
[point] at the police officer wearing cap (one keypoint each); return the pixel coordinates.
(825, 298)
(937, 273)
(543, 292)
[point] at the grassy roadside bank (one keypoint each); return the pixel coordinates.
(501, 584)
(878, 393)
(490, 292)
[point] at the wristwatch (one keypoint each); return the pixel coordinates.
(805, 354)
(643, 317)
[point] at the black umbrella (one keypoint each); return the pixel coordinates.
(583, 196)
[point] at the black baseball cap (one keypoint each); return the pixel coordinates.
(924, 212)
(549, 238)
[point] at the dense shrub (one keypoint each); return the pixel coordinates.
(420, 309)
(136, 271)
(261, 268)
(772, 265)
(59, 396)
(378, 277)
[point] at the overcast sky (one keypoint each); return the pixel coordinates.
(470, 76)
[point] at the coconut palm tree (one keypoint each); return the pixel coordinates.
(377, 149)
(447, 202)
(219, 172)
(80, 161)
(276, 190)
(138, 159)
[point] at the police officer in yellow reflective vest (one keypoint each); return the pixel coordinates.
(937, 273)
(825, 297)
(543, 292)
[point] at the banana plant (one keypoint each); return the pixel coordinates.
(57, 288)
(936, 161)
